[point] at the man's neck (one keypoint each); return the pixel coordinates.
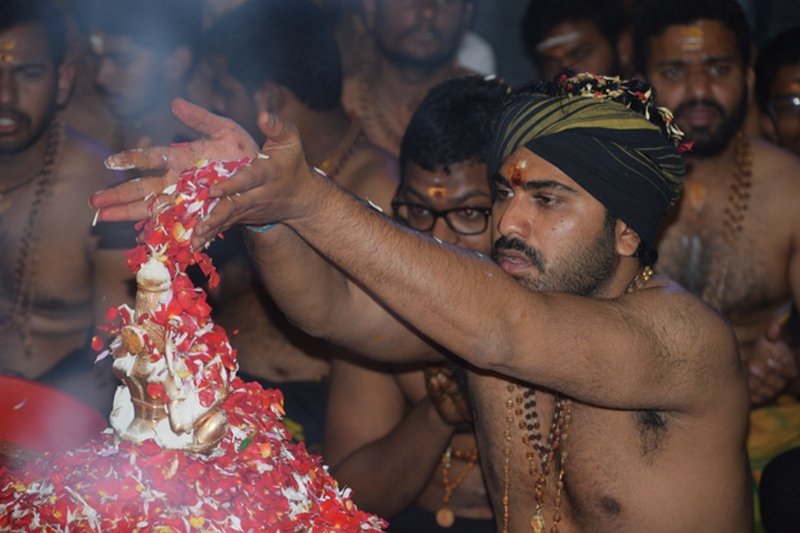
(627, 275)
(155, 126)
(408, 84)
(719, 166)
(321, 131)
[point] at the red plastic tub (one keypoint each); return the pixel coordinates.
(35, 419)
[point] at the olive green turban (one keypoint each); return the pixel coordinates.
(620, 157)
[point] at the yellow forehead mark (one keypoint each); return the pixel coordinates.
(437, 191)
(6, 47)
(693, 38)
(522, 165)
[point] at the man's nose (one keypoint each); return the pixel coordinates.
(8, 89)
(442, 231)
(698, 84)
(104, 74)
(513, 219)
(426, 9)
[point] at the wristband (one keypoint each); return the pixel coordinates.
(261, 229)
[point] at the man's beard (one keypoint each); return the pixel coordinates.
(585, 272)
(712, 143)
(18, 147)
(431, 63)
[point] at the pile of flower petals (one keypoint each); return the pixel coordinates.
(166, 235)
(255, 480)
(168, 230)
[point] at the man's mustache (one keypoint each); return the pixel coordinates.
(422, 28)
(15, 114)
(701, 102)
(518, 245)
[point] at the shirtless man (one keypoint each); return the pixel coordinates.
(417, 44)
(778, 89)
(577, 35)
(300, 81)
(629, 387)
(55, 281)
(383, 436)
(734, 239)
(146, 50)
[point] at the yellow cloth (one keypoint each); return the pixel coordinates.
(773, 429)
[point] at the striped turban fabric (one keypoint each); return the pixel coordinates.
(613, 152)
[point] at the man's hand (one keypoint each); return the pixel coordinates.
(446, 394)
(276, 187)
(264, 192)
(771, 366)
(225, 140)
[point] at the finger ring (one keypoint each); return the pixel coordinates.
(261, 155)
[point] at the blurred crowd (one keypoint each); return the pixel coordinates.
(395, 100)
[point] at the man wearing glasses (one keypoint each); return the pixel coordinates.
(778, 89)
(385, 437)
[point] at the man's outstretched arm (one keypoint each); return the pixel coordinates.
(616, 353)
(312, 292)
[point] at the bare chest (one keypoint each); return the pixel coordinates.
(384, 120)
(729, 248)
(45, 268)
(609, 471)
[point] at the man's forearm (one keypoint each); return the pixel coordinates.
(387, 475)
(307, 287)
(317, 297)
(445, 292)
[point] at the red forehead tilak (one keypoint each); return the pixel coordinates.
(515, 173)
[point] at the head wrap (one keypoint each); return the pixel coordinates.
(592, 133)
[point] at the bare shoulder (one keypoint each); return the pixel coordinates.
(775, 166)
(372, 173)
(83, 162)
(691, 332)
(776, 178)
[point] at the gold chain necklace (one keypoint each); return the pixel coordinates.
(25, 271)
(333, 164)
(733, 222)
(521, 406)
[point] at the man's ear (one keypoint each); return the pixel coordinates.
(270, 97)
(625, 51)
(66, 76)
(767, 127)
(627, 241)
(750, 80)
(369, 13)
(177, 64)
(469, 13)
